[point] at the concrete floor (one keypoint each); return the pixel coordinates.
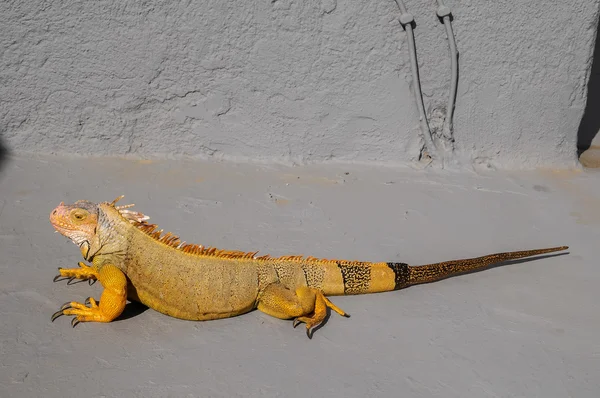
(529, 329)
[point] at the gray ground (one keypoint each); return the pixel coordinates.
(528, 329)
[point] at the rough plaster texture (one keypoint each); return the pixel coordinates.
(299, 81)
(527, 329)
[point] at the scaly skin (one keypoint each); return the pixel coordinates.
(132, 260)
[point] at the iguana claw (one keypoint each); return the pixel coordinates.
(56, 278)
(56, 315)
(59, 313)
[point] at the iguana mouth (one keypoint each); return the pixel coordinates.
(74, 235)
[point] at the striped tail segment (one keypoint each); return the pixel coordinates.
(407, 275)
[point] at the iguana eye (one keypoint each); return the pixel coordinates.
(79, 215)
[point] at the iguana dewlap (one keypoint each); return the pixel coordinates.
(132, 260)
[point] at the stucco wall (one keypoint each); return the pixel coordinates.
(292, 80)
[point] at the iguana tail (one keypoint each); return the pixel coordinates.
(434, 272)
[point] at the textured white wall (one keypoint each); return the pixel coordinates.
(308, 80)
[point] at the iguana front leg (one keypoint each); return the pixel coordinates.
(84, 272)
(112, 301)
(306, 304)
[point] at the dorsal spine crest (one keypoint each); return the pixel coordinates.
(139, 220)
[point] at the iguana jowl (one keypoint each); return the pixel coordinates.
(131, 259)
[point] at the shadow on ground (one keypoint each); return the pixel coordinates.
(3, 154)
(590, 123)
(132, 309)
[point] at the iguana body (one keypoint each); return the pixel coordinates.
(133, 260)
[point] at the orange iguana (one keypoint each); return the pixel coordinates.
(131, 259)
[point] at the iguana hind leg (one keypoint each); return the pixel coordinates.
(112, 300)
(306, 304)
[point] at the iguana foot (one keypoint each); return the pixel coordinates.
(306, 304)
(319, 314)
(85, 272)
(82, 312)
(112, 302)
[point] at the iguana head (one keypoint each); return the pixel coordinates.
(77, 222)
(89, 225)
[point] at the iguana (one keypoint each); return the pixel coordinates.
(133, 260)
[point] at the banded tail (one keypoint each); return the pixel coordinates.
(414, 275)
